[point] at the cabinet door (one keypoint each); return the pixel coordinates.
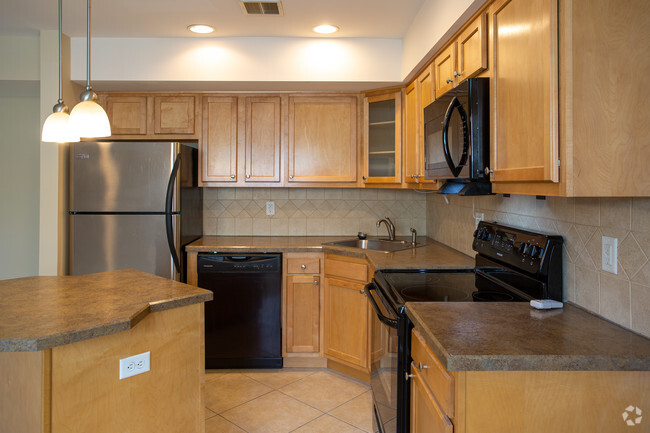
(472, 49)
(411, 136)
(444, 66)
(383, 142)
(174, 114)
(322, 139)
(263, 132)
(219, 139)
(127, 114)
(426, 414)
(425, 97)
(525, 91)
(303, 314)
(346, 322)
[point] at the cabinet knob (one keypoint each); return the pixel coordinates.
(449, 80)
(364, 178)
(248, 176)
(420, 366)
(362, 291)
(315, 283)
(407, 376)
(232, 176)
(488, 171)
(291, 176)
(457, 74)
(303, 267)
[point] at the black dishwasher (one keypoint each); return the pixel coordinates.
(243, 323)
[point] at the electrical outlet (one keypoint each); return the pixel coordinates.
(270, 208)
(478, 217)
(610, 255)
(135, 364)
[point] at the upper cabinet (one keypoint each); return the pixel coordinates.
(218, 144)
(323, 144)
(383, 138)
(152, 116)
(263, 139)
(567, 118)
(525, 91)
(465, 57)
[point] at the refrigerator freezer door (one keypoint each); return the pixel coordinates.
(109, 242)
(121, 176)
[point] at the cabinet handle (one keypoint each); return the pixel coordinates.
(364, 178)
(362, 291)
(449, 81)
(488, 171)
(291, 176)
(303, 267)
(420, 366)
(232, 176)
(248, 176)
(315, 283)
(407, 376)
(456, 74)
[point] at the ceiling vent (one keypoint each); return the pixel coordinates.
(271, 8)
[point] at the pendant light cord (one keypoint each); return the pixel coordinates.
(88, 48)
(60, 30)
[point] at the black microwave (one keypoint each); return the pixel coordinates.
(457, 138)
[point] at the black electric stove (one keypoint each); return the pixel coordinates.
(511, 265)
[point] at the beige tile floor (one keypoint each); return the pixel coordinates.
(300, 400)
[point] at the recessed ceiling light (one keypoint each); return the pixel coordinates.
(200, 28)
(326, 28)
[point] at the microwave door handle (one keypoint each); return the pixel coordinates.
(169, 212)
(455, 104)
(383, 319)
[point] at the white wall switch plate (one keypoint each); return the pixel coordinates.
(270, 208)
(135, 364)
(610, 255)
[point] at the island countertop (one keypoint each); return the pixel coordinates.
(512, 336)
(38, 313)
(432, 255)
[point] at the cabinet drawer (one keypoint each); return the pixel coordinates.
(426, 413)
(347, 270)
(303, 266)
(433, 373)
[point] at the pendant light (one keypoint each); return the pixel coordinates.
(88, 118)
(56, 128)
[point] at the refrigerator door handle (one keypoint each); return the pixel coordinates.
(169, 213)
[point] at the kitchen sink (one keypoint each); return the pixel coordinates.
(382, 245)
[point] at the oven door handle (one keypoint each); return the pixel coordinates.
(383, 319)
(504, 284)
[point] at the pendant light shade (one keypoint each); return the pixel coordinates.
(56, 128)
(88, 119)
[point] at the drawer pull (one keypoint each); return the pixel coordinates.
(407, 376)
(232, 176)
(420, 366)
(362, 291)
(303, 267)
(315, 283)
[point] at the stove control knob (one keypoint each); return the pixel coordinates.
(523, 249)
(534, 251)
(487, 235)
(475, 233)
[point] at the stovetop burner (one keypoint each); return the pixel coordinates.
(431, 286)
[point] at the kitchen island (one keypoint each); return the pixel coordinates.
(506, 367)
(61, 340)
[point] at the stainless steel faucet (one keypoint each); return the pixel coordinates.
(389, 225)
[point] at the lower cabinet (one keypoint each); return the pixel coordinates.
(346, 314)
(521, 401)
(302, 304)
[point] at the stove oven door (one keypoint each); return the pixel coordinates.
(383, 362)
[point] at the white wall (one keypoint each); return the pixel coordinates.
(19, 164)
(241, 60)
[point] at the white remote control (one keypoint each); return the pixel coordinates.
(545, 304)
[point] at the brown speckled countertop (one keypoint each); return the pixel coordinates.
(432, 255)
(38, 313)
(469, 336)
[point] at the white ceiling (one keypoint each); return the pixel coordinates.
(169, 18)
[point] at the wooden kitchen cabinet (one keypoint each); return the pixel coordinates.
(582, 137)
(263, 139)
(465, 57)
(346, 315)
(383, 138)
(323, 144)
(218, 144)
(152, 116)
(302, 303)
(426, 414)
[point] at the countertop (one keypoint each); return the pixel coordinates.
(38, 313)
(432, 255)
(471, 336)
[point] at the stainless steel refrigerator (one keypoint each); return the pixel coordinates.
(133, 205)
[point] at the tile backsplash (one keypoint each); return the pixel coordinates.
(623, 298)
(311, 211)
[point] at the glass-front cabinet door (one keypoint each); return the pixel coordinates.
(383, 139)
